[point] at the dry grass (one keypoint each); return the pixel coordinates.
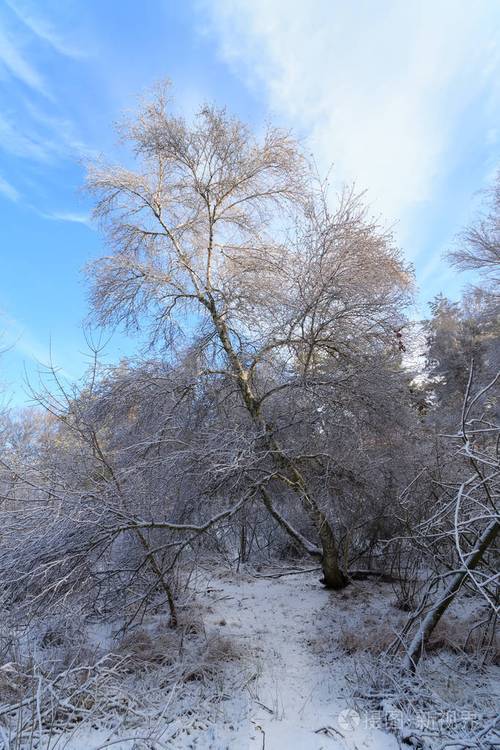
(144, 667)
(145, 648)
(372, 638)
(192, 655)
(208, 660)
(451, 634)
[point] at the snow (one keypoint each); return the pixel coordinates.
(283, 678)
(296, 698)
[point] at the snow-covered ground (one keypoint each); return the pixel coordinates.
(296, 699)
(268, 662)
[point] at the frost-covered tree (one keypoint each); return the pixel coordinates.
(458, 333)
(478, 247)
(461, 482)
(227, 241)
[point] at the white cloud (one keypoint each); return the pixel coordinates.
(378, 88)
(31, 126)
(64, 139)
(18, 66)
(16, 337)
(71, 216)
(32, 146)
(40, 137)
(42, 28)
(8, 190)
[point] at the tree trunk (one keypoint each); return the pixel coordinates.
(163, 582)
(439, 608)
(333, 577)
(243, 542)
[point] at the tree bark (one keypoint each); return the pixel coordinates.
(163, 582)
(439, 608)
(333, 576)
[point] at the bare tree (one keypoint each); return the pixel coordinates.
(478, 247)
(463, 528)
(229, 241)
(469, 522)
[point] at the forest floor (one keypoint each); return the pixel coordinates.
(297, 696)
(285, 657)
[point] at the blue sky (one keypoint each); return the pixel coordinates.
(402, 97)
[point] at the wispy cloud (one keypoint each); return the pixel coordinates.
(382, 90)
(71, 216)
(15, 62)
(43, 28)
(16, 337)
(41, 137)
(34, 127)
(33, 146)
(64, 138)
(8, 190)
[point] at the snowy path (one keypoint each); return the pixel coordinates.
(274, 673)
(295, 699)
